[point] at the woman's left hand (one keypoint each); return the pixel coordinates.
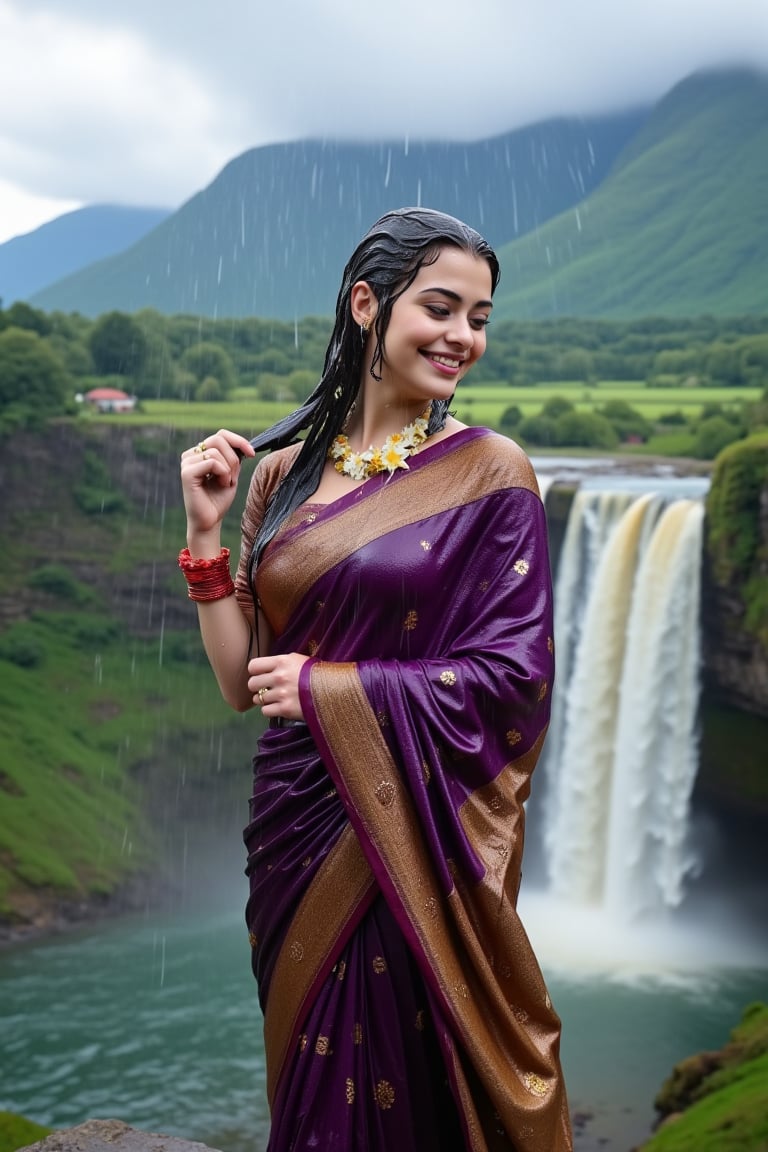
(273, 681)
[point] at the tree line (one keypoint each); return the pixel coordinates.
(48, 358)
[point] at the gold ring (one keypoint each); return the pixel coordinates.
(261, 694)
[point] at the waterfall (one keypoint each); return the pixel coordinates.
(620, 757)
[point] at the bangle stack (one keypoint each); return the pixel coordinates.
(207, 579)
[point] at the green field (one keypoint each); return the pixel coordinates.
(478, 404)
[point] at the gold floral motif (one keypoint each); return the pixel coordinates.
(535, 1085)
(296, 951)
(329, 793)
(357, 1034)
(522, 567)
(382, 718)
(543, 689)
(385, 793)
(483, 585)
(323, 1046)
(502, 850)
(519, 1014)
(306, 862)
(379, 965)
(252, 940)
(310, 519)
(461, 990)
(448, 677)
(426, 773)
(506, 971)
(421, 1020)
(312, 647)
(514, 737)
(385, 1094)
(494, 804)
(411, 620)
(319, 605)
(350, 1090)
(431, 907)
(342, 969)
(302, 1041)
(550, 645)
(425, 545)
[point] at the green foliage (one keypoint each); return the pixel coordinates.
(736, 526)
(18, 1132)
(209, 364)
(57, 580)
(33, 382)
(21, 646)
(584, 430)
(713, 434)
(21, 315)
(96, 494)
(510, 418)
(625, 420)
(117, 345)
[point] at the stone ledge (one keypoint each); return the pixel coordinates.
(112, 1136)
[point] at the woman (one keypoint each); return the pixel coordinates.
(391, 617)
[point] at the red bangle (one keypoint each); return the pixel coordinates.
(207, 579)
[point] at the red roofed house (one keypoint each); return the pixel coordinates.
(110, 400)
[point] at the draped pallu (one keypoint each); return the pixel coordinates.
(386, 835)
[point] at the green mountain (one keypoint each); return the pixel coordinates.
(271, 235)
(679, 227)
(30, 262)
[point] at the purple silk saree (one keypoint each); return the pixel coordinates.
(404, 1008)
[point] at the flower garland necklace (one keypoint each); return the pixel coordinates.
(392, 455)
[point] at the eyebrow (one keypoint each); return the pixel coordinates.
(455, 296)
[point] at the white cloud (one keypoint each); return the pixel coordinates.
(146, 106)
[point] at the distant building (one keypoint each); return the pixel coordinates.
(109, 400)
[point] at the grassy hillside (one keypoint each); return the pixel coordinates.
(679, 228)
(716, 1102)
(271, 235)
(109, 716)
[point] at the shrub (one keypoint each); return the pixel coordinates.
(584, 430)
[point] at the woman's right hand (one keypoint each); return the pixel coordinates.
(209, 474)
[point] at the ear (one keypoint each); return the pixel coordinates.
(363, 302)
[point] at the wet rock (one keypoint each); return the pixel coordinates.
(112, 1136)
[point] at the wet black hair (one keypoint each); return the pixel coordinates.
(388, 259)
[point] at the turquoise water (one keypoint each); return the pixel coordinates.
(155, 1021)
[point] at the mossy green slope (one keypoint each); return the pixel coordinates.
(679, 228)
(109, 714)
(18, 1132)
(725, 1111)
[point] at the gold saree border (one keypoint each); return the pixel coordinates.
(437, 486)
(512, 1045)
(336, 891)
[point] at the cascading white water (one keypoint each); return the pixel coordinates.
(592, 518)
(621, 753)
(648, 856)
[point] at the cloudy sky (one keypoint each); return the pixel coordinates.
(143, 101)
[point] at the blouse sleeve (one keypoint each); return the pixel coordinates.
(267, 477)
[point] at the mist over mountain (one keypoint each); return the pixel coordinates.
(271, 234)
(660, 211)
(679, 227)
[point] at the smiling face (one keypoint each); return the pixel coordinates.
(436, 330)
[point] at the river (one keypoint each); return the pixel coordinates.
(154, 1021)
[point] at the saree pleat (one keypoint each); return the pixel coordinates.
(386, 834)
